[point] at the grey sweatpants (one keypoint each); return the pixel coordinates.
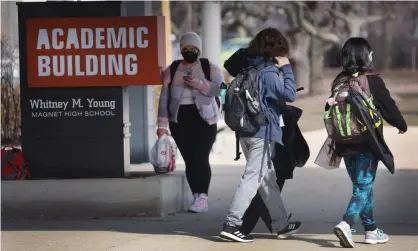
(257, 176)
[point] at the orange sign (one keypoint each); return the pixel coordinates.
(81, 52)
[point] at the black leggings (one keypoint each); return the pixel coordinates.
(194, 138)
(258, 209)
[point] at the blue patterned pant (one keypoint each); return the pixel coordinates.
(362, 169)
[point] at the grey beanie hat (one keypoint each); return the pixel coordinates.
(191, 38)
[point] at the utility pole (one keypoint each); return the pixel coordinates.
(165, 6)
(212, 31)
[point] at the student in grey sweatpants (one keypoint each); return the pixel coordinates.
(258, 174)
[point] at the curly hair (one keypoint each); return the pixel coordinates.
(269, 43)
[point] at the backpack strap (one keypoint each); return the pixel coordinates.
(364, 84)
(204, 62)
(205, 67)
(173, 69)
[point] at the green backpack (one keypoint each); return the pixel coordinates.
(341, 121)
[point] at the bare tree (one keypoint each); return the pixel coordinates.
(353, 22)
(388, 29)
(394, 38)
(314, 19)
(244, 18)
(299, 55)
(330, 29)
(414, 48)
(184, 16)
(356, 19)
(188, 17)
(247, 18)
(312, 27)
(300, 47)
(10, 95)
(389, 26)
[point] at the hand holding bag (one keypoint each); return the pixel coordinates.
(163, 155)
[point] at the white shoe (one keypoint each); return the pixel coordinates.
(200, 204)
(376, 237)
(344, 234)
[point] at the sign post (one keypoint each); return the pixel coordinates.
(75, 62)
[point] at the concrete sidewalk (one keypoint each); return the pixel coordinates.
(317, 197)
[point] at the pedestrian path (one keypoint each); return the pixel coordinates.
(315, 196)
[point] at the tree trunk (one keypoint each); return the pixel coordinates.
(355, 28)
(303, 74)
(317, 59)
(387, 46)
(369, 12)
(242, 31)
(189, 19)
(300, 56)
(388, 30)
(414, 57)
(16, 116)
(7, 107)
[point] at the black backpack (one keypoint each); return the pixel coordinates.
(204, 62)
(243, 113)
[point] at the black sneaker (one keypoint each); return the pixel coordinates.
(234, 234)
(292, 228)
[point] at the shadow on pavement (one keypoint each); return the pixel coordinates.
(315, 196)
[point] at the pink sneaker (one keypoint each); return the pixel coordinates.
(200, 205)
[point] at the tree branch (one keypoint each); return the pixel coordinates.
(289, 8)
(174, 29)
(362, 20)
(372, 19)
(339, 15)
(187, 20)
(310, 29)
(326, 47)
(257, 10)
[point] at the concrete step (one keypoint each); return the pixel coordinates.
(152, 196)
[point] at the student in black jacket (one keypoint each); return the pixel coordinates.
(361, 159)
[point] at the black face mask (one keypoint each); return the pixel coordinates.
(189, 56)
